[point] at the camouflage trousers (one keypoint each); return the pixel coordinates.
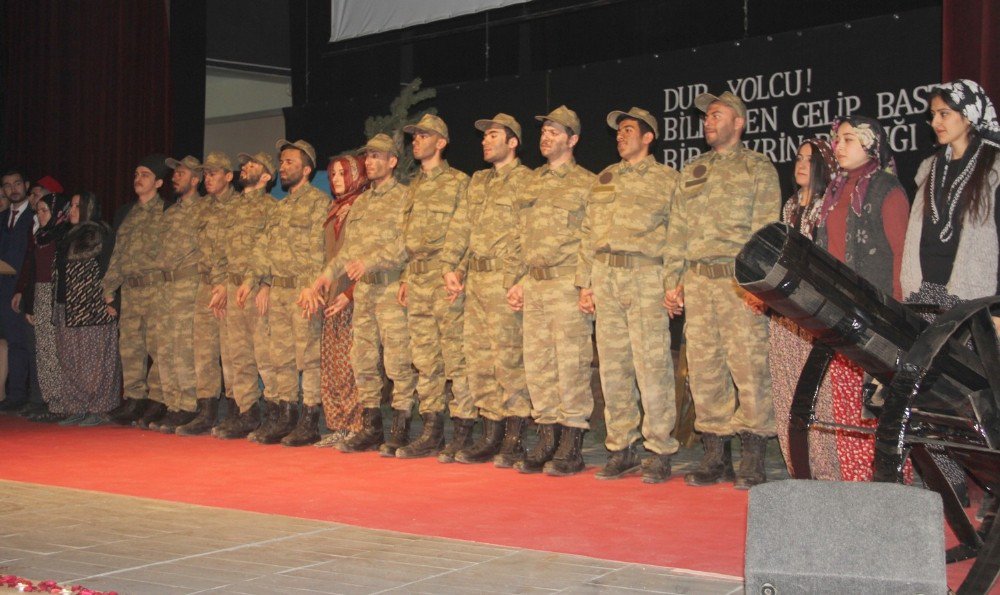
(241, 329)
(493, 348)
(380, 323)
(294, 347)
(208, 370)
(137, 329)
(175, 343)
(557, 353)
(727, 344)
(262, 352)
(633, 340)
(436, 344)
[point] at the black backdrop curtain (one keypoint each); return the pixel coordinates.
(86, 91)
(971, 43)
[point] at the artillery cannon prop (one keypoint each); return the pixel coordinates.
(940, 380)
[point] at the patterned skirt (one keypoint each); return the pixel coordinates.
(50, 375)
(339, 391)
(91, 369)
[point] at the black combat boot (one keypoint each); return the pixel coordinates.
(486, 447)
(370, 437)
(227, 408)
(153, 413)
(238, 425)
(284, 422)
(128, 412)
(268, 421)
(751, 470)
(461, 437)
(656, 468)
(512, 447)
(203, 421)
(545, 448)
(399, 433)
(430, 441)
(620, 463)
(168, 423)
(568, 459)
(307, 431)
(717, 463)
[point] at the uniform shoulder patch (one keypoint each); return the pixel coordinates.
(606, 177)
(699, 171)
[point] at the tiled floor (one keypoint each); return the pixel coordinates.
(134, 545)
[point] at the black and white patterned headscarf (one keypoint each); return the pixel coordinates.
(976, 106)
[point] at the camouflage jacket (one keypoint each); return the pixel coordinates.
(180, 248)
(485, 224)
(242, 235)
(137, 245)
(551, 205)
(294, 238)
(627, 212)
(721, 199)
(435, 197)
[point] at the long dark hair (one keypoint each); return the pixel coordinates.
(819, 172)
(976, 196)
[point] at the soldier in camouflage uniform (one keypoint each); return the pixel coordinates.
(620, 276)
(373, 255)
(134, 267)
(435, 322)
(209, 365)
(557, 346)
(722, 197)
(290, 258)
(482, 257)
(179, 262)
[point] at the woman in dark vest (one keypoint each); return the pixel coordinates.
(862, 223)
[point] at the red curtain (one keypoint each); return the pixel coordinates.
(86, 91)
(971, 43)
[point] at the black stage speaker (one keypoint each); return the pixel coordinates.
(839, 537)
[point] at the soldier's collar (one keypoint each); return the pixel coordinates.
(560, 171)
(736, 150)
(157, 200)
(226, 194)
(640, 168)
(380, 190)
(302, 190)
(506, 170)
(437, 171)
(253, 192)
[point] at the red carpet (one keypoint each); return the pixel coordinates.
(668, 525)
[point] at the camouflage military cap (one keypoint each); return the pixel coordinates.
(301, 145)
(500, 120)
(262, 158)
(381, 142)
(635, 113)
(217, 160)
(428, 123)
(564, 116)
(189, 162)
(706, 99)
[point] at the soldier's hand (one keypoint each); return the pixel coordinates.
(321, 285)
(339, 303)
(15, 302)
(263, 299)
(111, 311)
(309, 301)
(673, 301)
(219, 300)
(515, 298)
(30, 319)
(586, 301)
(453, 283)
(241, 295)
(355, 269)
(401, 295)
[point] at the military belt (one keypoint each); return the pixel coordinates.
(236, 279)
(482, 264)
(713, 271)
(619, 260)
(380, 278)
(546, 273)
(181, 274)
(287, 282)
(417, 267)
(144, 280)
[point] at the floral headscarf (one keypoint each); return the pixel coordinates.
(875, 142)
(356, 182)
(976, 106)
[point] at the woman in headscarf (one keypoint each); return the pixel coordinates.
(951, 249)
(789, 345)
(340, 398)
(33, 297)
(862, 223)
(86, 333)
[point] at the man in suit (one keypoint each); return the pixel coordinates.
(16, 223)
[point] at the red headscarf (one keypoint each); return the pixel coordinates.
(356, 182)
